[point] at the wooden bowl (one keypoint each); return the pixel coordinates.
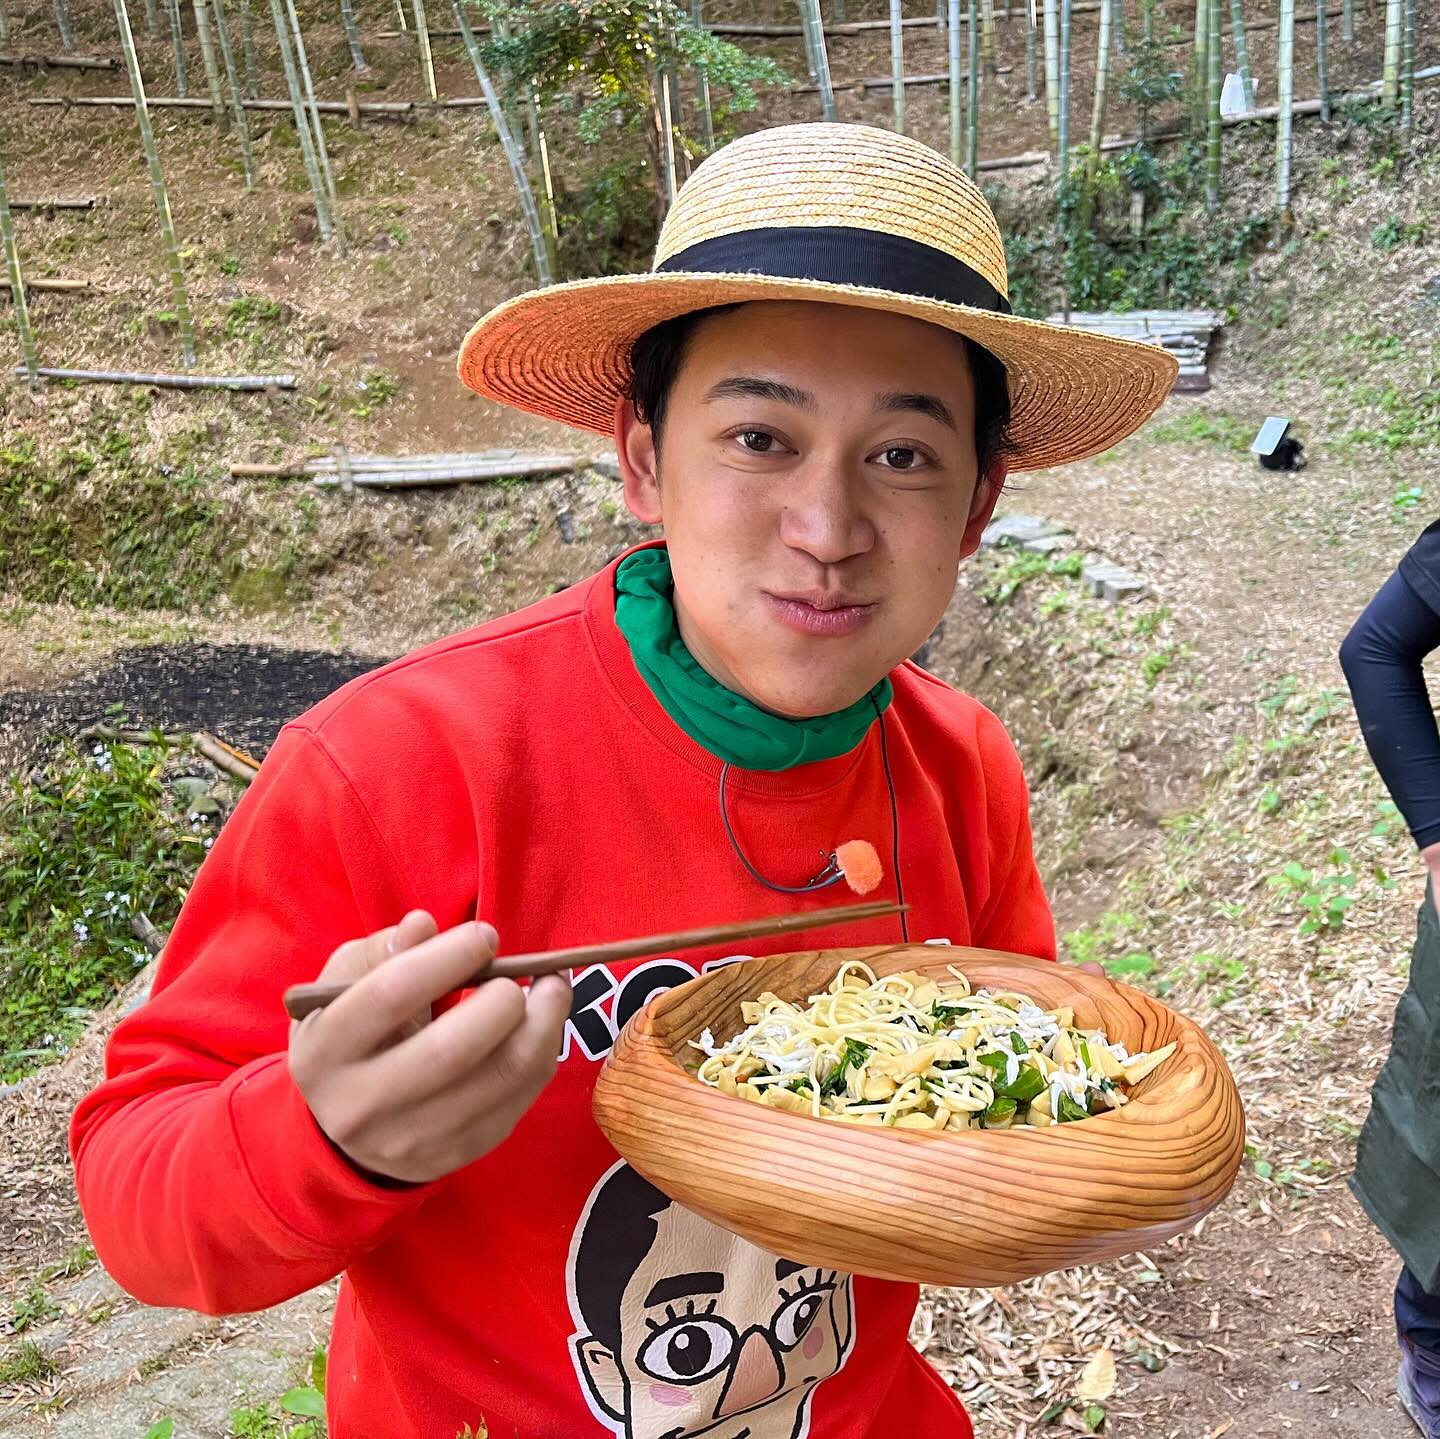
(981, 1207)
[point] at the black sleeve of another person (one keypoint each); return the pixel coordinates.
(1382, 658)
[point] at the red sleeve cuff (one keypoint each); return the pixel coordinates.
(304, 1180)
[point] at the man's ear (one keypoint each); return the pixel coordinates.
(602, 1374)
(639, 464)
(988, 490)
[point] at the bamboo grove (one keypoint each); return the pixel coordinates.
(676, 82)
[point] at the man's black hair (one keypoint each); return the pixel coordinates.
(656, 357)
(619, 1232)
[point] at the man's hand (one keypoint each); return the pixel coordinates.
(1431, 855)
(407, 1097)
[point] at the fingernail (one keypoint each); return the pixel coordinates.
(392, 939)
(488, 934)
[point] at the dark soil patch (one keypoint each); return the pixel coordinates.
(242, 693)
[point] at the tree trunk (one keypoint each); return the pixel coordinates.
(182, 80)
(322, 153)
(1052, 66)
(427, 60)
(1284, 99)
(513, 156)
(212, 70)
(232, 81)
(179, 295)
(1242, 51)
(1032, 88)
(972, 92)
(953, 49)
(318, 193)
(1394, 33)
(352, 37)
(23, 332)
(247, 51)
(62, 24)
(1214, 84)
(1102, 89)
(897, 65)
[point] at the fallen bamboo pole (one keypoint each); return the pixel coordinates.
(236, 763)
(192, 102)
(408, 471)
(884, 82)
(1301, 107)
(89, 202)
(174, 382)
(61, 62)
(64, 287)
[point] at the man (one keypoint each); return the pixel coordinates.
(817, 392)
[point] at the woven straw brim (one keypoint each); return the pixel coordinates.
(563, 353)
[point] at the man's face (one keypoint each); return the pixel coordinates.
(715, 1349)
(817, 483)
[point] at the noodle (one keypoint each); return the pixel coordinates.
(908, 1051)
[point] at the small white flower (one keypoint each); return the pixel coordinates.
(208, 843)
(82, 931)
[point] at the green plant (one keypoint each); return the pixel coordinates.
(377, 387)
(1157, 662)
(25, 1362)
(1205, 427)
(1406, 499)
(1020, 567)
(1324, 895)
(33, 1308)
(91, 839)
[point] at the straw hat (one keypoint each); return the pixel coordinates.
(841, 214)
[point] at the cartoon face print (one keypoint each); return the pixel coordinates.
(685, 1331)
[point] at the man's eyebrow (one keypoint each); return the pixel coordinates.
(752, 387)
(931, 405)
(681, 1286)
(784, 1268)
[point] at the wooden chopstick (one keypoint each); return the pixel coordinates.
(303, 999)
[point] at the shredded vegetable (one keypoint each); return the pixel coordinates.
(917, 1053)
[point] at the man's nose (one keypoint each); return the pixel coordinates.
(822, 514)
(756, 1376)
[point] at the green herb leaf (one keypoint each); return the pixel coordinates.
(999, 1112)
(161, 1429)
(305, 1401)
(1068, 1110)
(1017, 1043)
(1094, 1417)
(1028, 1084)
(853, 1056)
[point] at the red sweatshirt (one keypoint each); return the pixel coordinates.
(522, 772)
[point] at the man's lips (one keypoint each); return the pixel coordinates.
(815, 613)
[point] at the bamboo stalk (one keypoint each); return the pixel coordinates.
(1285, 96)
(169, 381)
(808, 37)
(427, 60)
(62, 24)
(1242, 51)
(513, 156)
(1032, 88)
(247, 51)
(177, 40)
(157, 187)
(237, 104)
(322, 153)
(400, 17)
(1102, 90)
(953, 49)
(226, 758)
(62, 287)
(1063, 144)
(1322, 68)
(152, 20)
(60, 62)
(1052, 67)
(897, 65)
(972, 95)
(1394, 43)
(987, 33)
(212, 70)
(352, 37)
(5, 25)
(318, 192)
(1349, 19)
(1407, 69)
(702, 79)
(1213, 132)
(23, 333)
(815, 41)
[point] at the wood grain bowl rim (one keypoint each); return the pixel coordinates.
(1157, 1103)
